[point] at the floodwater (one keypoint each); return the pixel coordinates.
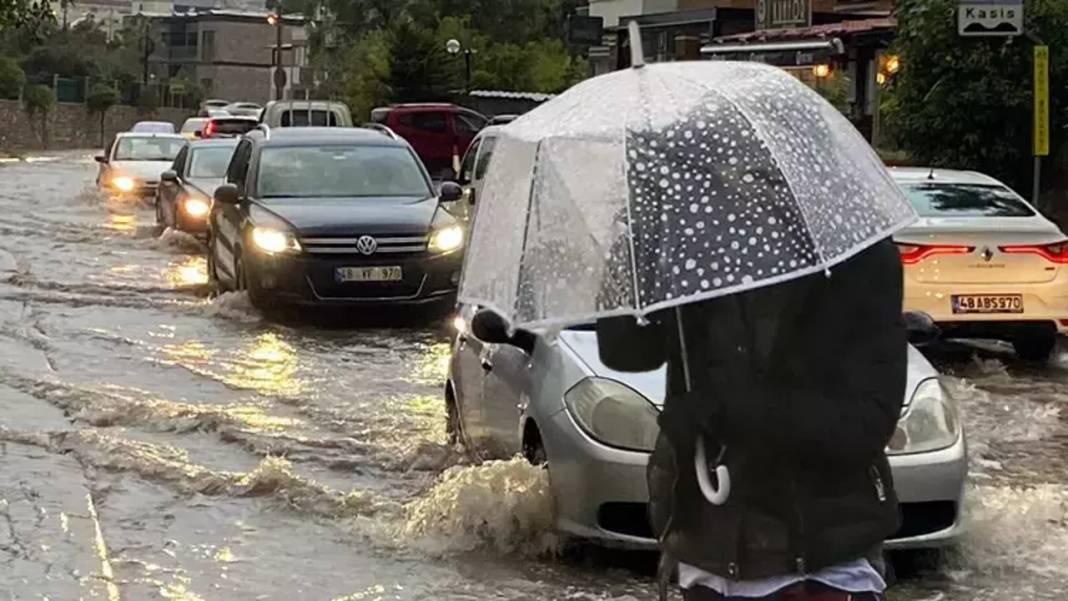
(216, 454)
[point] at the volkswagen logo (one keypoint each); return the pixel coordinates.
(987, 254)
(366, 245)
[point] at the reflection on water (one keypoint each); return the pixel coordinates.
(187, 271)
(269, 366)
(122, 222)
(433, 364)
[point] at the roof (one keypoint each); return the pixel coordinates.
(229, 117)
(826, 30)
(535, 96)
(147, 134)
(208, 142)
(941, 176)
(300, 136)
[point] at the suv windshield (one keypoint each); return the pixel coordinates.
(210, 162)
(965, 200)
(340, 171)
(148, 148)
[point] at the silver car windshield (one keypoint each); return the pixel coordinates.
(965, 200)
(340, 171)
(148, 149)
(210, 162)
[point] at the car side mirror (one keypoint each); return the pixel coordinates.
(921, 329)
(450, 192)
(491, 328)
(226, 194)
(100, 158)
(170, 176)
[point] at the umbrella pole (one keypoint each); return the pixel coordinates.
(713, 494)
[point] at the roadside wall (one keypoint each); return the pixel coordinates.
(71, 125)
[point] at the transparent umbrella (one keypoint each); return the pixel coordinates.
(652, 187)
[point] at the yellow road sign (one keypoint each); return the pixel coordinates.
(1041, 110)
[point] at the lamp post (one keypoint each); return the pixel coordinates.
(454, 47)
(275, 19)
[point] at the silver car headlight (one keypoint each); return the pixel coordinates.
(930, 423)
(613, 414)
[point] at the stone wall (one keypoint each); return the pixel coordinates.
(71, 125)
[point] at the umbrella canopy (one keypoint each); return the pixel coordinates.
(653, 187)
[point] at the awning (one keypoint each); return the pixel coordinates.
(833, 45)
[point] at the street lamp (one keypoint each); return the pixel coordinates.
(275, 20)
(454, 47)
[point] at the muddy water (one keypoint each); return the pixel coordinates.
(227, 456)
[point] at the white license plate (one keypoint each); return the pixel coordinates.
(369, 274)
(987, 303)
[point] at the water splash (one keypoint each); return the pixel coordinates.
(504, 505)
(178, 241)
(234, 306)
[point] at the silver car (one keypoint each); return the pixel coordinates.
(555, 402)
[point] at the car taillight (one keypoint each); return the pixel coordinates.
(1055, 253)
(209, 129)
(914, 253)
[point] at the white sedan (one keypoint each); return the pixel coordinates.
(982, 262)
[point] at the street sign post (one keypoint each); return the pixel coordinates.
(1040, 128)
(990, 18)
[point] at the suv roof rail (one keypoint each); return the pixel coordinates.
(266, 129)
(382, 129)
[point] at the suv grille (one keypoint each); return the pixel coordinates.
(385, 244)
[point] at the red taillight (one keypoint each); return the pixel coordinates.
(1055, 253)
(209, 129)
(914, 253)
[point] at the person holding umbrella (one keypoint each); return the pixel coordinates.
(724, 218)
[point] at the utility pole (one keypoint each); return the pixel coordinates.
(279, 74)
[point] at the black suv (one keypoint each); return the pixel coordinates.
(312, 215)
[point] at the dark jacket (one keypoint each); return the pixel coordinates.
(802, 383)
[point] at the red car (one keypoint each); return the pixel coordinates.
(439, 132)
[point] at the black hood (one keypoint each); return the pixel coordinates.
(347, 216)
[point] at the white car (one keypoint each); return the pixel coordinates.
(982, 262)
(134, 162)
(554, 401)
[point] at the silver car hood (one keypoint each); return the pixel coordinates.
(652, 384)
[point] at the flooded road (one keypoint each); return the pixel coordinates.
(161, 444)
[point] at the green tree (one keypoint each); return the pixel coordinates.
(368, 67)
(15, 13)
(101, 98)
(419, 66)
(12, 78)
(966, 102)
(39, 100)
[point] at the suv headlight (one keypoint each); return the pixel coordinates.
(613, 414)
(930, 423)
(196, 205)
(271, 240)
(446, 239)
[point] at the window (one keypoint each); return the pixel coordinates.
(179, 161)
(340, 171)
(484, 156)
(468, 125)
(148, 148)
(207, 41)
(210, 161)
(319, 118)
(434, 122)
(966, 200)
(467, 167)
(235, 172)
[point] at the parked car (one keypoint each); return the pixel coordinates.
(474, 165)
(982, 261)
(333, 216)
(555, 402)
(502, 119)
(153, 127)
(212, 104)
(134, 161)
(228, 127)
(244, 109)
(440, 133)
(183, 199)
(193, 127)
(303, 113)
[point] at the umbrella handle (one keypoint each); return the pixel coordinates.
(714, 495)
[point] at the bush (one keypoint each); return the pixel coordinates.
(11, 78)
(38, 98)
(101, 98)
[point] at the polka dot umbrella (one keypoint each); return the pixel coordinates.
(656, 186)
